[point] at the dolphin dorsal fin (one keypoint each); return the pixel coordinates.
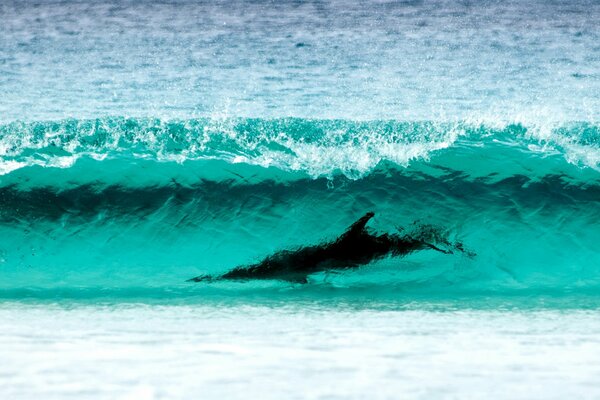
(359, 225)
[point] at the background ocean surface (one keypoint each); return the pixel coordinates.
(144, 143)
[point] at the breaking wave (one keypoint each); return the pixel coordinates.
(143, 204)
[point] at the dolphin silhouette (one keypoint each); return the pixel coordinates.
(353, 248)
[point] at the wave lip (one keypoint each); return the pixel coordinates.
(316, 148)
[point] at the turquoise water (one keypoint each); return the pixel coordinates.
(145, 143)
(144, 204)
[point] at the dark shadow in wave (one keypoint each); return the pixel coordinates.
(228, 197)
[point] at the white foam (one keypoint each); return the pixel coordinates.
(351, 148)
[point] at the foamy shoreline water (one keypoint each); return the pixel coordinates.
(155, 352)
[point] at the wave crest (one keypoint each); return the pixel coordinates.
(315, 147)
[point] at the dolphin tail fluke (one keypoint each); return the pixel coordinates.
(451, 248)
(433, 247)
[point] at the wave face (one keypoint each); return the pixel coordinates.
(144, 204)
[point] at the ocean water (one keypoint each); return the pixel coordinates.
(145, 143)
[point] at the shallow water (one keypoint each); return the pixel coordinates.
(295, 350)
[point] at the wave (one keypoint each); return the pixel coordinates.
(316, 148)
(142, 204)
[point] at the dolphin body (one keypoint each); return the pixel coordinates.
(353, 248)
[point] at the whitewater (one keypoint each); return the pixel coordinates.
(145, 143)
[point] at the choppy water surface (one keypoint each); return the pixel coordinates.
(144, 143)
(317, 59)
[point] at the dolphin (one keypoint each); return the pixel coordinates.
(355, 247)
